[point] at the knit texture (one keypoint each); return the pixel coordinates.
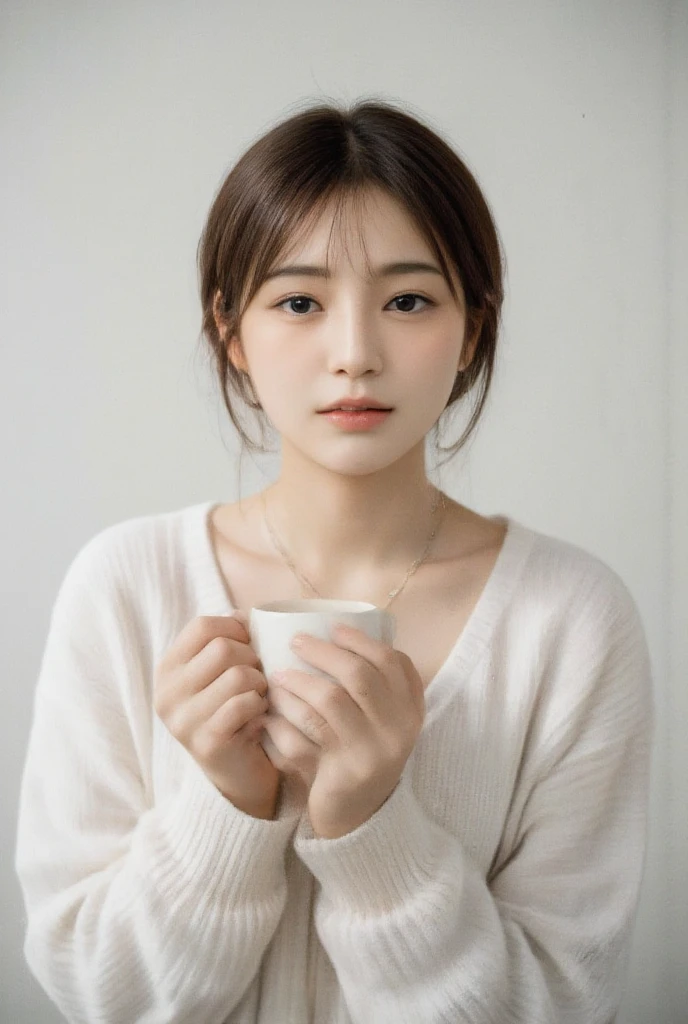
(498, 884)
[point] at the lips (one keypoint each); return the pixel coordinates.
(358, 419)
(355, 407)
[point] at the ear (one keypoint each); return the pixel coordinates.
(471, 342)
(236, 355)
(233, 346)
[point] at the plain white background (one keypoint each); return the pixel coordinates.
(118, 122)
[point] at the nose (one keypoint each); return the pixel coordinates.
(354, 343)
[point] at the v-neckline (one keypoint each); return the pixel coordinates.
(471, 642)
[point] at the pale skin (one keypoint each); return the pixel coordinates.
(351, 506)
(359, 732)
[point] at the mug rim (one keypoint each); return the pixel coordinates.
(307, 606)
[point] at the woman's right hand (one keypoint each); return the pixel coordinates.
(209, 693)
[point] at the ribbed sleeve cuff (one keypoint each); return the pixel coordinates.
(214, 845)
(387, 861)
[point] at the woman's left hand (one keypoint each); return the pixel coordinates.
(349, 741)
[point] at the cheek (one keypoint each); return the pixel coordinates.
(277, 370)
(286, 391)
(434, 370)
(432, 380)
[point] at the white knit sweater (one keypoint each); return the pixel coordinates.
(498, 883)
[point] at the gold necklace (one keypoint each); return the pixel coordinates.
(439, 501)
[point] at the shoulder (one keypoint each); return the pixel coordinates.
(585, 640)
(578, 587)
(131, 557)
(123, 596)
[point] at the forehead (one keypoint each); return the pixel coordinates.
(355, 225)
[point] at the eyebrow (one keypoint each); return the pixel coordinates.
(386, 270)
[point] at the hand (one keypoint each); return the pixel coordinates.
(210, 694)
(349, 741)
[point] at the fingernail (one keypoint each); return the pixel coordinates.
(277, 677)
(297, 641)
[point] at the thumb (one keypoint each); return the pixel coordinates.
(242, 617)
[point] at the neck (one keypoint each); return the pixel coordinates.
(342, 531)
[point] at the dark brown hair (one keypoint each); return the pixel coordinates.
(331, 152)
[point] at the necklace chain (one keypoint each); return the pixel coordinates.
(439, 502)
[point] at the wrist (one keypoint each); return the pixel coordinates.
(336, 826)
(262, 808)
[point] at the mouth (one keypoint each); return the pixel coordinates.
(351, 409)
(356, 419)
(357, 405)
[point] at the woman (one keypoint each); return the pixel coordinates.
(456, 832)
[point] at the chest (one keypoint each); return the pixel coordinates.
(431, 611)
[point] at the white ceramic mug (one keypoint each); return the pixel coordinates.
(272, 627)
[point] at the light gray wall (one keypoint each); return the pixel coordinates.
(118, 122)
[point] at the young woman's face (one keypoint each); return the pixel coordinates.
(309, 340)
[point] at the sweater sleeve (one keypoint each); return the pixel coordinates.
(414, 929)
(136, 910)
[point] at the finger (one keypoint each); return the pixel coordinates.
(274, 753)
(362, 665)
(230, 718)
(288, 749)
(329, 701)
(302, 715)
(394, 668)
(201, 706)
(219, 654)
(242, 617)
(199, 632)
(254, 728)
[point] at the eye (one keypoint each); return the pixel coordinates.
(405, 296)
(412, 295)
(295, 298)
